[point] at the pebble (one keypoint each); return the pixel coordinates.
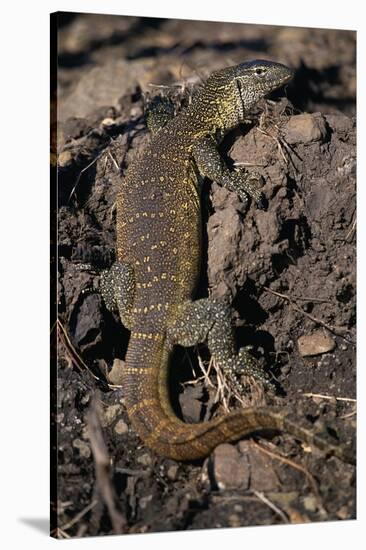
(310, 503)
(108, 122)
(121, 427)
(315, 344)
(172, 472)
(82, 447)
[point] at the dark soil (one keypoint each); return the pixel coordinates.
(289, 270)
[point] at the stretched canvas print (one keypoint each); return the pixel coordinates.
(203, 183)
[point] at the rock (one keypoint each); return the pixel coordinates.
(82, 447)
(348, 166)
(144, 502)
(340, 123)
(99, 87)
(268, 226)
(109, 415)
(315, 344)
(121, 427)
(172, 472)
(262, 474)
(343, 512)
(87, 322)
(205, 477)
(190, 403)
(144, 459)
(115, 375)
(226, 228)
(64, 159)
(320, 199)
(108, 122)
(305, 128)
(310, 503)
(74, 128)
(230, 469)
(234, 520)
(84, 32)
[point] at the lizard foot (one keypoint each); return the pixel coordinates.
(158, 113)
(245, 364)
(117, 286)
(247, 184)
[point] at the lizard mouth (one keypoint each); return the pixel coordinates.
(285, 80)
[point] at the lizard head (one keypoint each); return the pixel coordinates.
(256, 79)
(235, 90)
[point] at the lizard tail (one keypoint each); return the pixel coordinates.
(148, 406)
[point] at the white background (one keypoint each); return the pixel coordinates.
(24, 238)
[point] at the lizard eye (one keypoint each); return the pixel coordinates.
(260, 72)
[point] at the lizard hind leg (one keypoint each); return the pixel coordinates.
(209, 320)
(117, 286)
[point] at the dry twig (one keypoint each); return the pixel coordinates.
(296, 466)
(75, 357)
(103, 469)
(334, 330)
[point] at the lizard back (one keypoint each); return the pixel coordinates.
(159, 227)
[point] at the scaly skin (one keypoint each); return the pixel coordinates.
(159, 252)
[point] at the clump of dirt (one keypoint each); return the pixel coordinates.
(289, 271)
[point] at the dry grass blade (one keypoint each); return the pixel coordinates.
(206, 372)
(82, 172)
(114, 161)
(227, 393)
(60, 534)
(277, 141)
(62, 530)
(272, 506)
(351, 231)
(330, 397)
(349, 415)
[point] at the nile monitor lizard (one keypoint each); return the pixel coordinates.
(158, 263)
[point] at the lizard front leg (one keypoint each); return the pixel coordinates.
(117, 286)
(209, 320)
(211, 165)
(158, 113)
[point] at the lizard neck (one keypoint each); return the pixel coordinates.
(210, 114)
